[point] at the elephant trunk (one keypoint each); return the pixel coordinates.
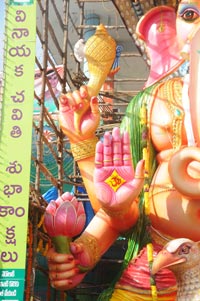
(194, 90)
(179, 175)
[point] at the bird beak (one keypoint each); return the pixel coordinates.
(165, 259)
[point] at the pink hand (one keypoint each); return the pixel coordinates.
(115, 184)
(63, 271)
(78, 116)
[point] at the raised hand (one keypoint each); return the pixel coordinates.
(79, 115)
(116, 183)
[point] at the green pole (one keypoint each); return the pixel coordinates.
(15, 144)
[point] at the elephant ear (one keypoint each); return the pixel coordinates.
(158, 30)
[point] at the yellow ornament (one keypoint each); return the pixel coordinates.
(100, 52)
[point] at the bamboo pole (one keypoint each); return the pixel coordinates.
(39, 144)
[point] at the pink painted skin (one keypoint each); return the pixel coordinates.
(165, 213)
(77, 111)
(114, 155)
(187, 21)
(194, 93)
(158, 27)
(66, 217)
(63, 268)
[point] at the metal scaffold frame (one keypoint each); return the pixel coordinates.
(59, 24)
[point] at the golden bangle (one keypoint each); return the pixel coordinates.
(91, 244)
(139, 177)
(84, 149)
(98, 162)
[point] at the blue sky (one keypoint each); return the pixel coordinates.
(2, 24)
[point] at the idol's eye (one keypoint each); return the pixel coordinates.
(184, 249)
(189, 15)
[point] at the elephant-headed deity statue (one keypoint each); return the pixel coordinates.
(156, 198)
(172, 116)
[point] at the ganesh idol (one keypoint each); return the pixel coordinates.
(143, 180)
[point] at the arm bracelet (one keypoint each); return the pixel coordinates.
(84, 149)
(91, 244)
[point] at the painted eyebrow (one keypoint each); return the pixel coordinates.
(184, 7)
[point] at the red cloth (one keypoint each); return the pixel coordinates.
(137, 273)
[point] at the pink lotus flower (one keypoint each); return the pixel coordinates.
(64, 219)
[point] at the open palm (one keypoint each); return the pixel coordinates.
(116, 183)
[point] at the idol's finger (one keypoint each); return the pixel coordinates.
(117, 147)
(126, 150)
(99, 155)
(107, 150)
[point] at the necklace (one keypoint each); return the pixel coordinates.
(172, 93)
